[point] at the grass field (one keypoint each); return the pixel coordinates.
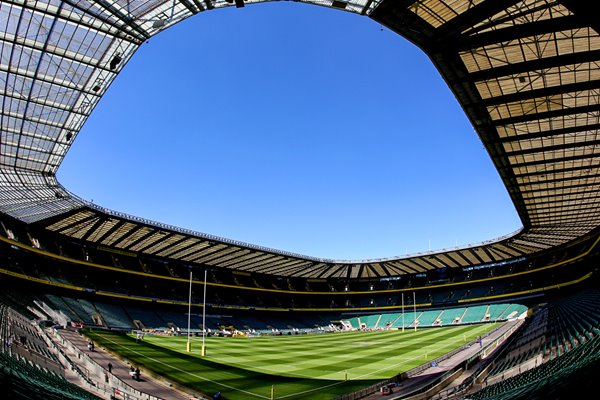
(298, 367)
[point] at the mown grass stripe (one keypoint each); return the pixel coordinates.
(276, 359)
(170, 365)
(177, 367)
(298, 365)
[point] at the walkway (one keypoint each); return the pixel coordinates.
(120, 369)
(433, 372)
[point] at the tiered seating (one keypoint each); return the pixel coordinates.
(474, 314)
(17, 301)
(20, 378)
(451, 316)
(462, 315)
(212, 322)
(20, 327)
(512, 311)
(78, 310)
(405, 318)
(299, 323)
(179, 320)
(114, 316)
(355, 322)
(388, 319)
(148, 318)
(426, 318)
(315, 321)
(57, 303)
(548, 378)
(25, 381)
(566, 329)
(89, 310)
(275, 323)
(250, 323)
(555, 331)
(370, 321)
(497, 310)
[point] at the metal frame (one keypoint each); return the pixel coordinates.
(526, 72)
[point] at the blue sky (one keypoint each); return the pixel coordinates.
(295, 127)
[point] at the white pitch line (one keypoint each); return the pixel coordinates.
(187, 372)
(298, 393)
(340, 382)
(354, 378)
(249, 366)
(383, 369)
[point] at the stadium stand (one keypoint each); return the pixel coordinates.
(524, 72)
(476, 314)
(114, 316)
(551, 350)
(28, 368)
(433, 318)
(156, 317)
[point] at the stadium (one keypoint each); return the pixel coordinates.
(91, 294)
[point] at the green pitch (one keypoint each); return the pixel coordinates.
(297, 367)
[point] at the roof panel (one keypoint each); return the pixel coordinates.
(184, 248)
(531, 85)
(124, 229)
(157, 242)
(439, 12)
(521, 12)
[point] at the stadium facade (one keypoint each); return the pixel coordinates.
(526, 73)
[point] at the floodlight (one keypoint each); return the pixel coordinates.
(115, 61)
(238, 3)
(159, 23)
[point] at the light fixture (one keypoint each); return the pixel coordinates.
(115, 61)
(238, 3)
(159, 23)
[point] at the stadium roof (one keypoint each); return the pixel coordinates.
(526, 73)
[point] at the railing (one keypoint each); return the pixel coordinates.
(107, 383)
(207, 236)
(482, 369)
(40, 360)
(444, 377)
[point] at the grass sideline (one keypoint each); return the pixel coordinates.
(297, 367)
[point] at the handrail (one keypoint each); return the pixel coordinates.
(116, 384)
